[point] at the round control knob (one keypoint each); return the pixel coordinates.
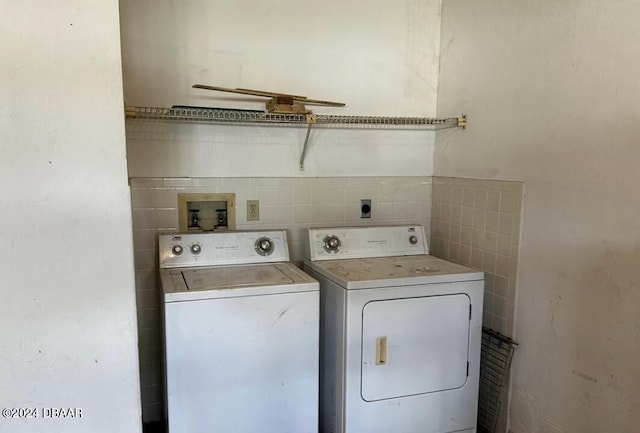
(196, 249)
(413, 239)
(176, 250)
(264, 246)
(331, 244)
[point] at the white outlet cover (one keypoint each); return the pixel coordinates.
(253, 210)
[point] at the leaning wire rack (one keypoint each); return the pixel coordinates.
(495, 363)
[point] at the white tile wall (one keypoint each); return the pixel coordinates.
(477, 223)
(291, 203)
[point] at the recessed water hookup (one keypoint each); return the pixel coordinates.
(206, 212)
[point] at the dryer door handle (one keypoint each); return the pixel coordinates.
(381, 350)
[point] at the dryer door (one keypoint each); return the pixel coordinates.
(414, 346)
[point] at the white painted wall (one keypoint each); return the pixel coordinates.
(552, 93)
(68, 307)
(379, 57)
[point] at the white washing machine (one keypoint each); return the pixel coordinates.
(240, 334)
(400, 332)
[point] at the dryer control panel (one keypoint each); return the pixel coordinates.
(364, 242)
(222, 248)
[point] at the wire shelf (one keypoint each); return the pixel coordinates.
(197, 114)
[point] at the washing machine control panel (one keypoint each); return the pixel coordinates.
(222, 248)
(362, 242)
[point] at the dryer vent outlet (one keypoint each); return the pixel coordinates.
(365, 208)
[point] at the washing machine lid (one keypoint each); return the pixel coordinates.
(393, 271)
(189, 284)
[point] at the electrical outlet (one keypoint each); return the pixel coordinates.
(365, 208)
(253, 210)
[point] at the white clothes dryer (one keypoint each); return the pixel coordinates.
(400, 332)
(240, 334)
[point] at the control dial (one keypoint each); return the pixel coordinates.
(176, 250)
(264, 246)
(196, 248)
(413, 239)
(331, 244)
